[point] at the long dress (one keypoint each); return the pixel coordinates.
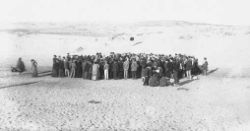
(84, 69)
(61, 69)
(55, 68)
(115, 70)
(20, 66)
(95, 71)
(78, 69)
(34, 69)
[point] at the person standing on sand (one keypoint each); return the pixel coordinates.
(66, 66)
(125, 68)
(61, 67)
(101, 68)
(90, 70)
(72, 68)
(55, 68)
(115, 69)
(106, 71)
(134, 67)
(95, 71)
(204, 66)
(146, 74)
(176, 68)
(120, 68)
(78, 67)
(168, 68)
(188, 68)
(34, 68)
(84, 67)
(196, 68)
(143, 65)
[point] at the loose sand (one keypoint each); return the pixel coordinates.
(215, 102)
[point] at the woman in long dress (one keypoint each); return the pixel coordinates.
(34, 68)
(95, 71)
(55, 68)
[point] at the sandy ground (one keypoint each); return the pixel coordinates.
(217, 102)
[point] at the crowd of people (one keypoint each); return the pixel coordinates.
(154, 69)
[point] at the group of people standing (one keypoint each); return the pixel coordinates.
(154, 69)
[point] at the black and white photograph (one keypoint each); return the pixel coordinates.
(124, 65)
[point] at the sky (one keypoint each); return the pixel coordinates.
(230, 12)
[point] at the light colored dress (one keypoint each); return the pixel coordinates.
(95, 71)
(34, 69)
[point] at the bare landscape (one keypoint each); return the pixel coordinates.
(218, 101)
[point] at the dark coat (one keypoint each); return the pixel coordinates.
(189, 65)
(168, 66)
(115, 67)
(143, 63)
(176, 66)
(55, 67)
(154, 81)
(146, 72)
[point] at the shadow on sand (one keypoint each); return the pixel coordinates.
(189, 81)
(185, 89)
(94, 102)
(185, 82)
(212, 71)
(19, 84)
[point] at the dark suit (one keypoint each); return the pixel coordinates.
(115, 69)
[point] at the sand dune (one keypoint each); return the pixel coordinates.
(223, 45)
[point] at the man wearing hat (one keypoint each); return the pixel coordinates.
(55, 67)
(204, 66)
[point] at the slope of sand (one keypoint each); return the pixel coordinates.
(215, 102)
(224, 46)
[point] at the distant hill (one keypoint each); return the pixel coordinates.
(102, 30)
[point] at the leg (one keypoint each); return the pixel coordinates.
(187, 74)
(74, 73)
(135, 74)
(107, 74)
(126, 74)
(176, 81)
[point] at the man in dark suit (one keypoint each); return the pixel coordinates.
(55, 68)
(115, 69)
(176, 69)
